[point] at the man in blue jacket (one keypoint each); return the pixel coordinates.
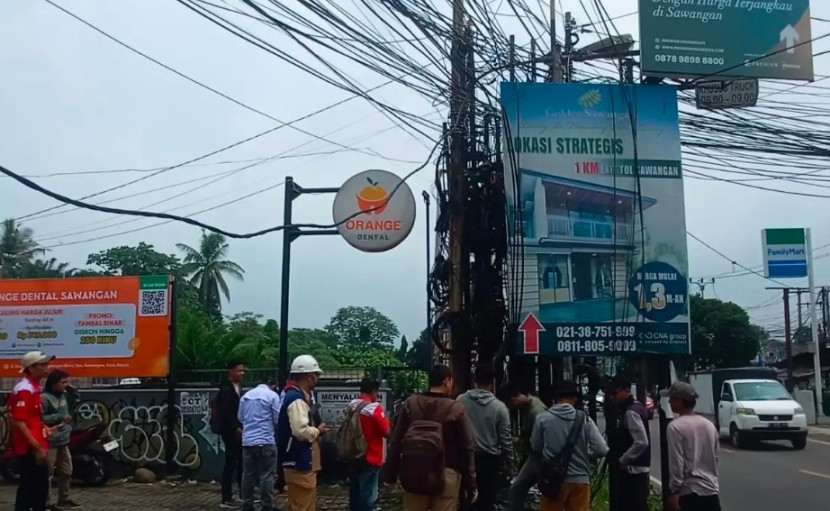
(298, 437)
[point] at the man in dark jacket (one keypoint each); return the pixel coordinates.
(630, 448)
(230, 429)
(460, 472)
(529, 408)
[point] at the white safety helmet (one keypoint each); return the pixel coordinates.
(305, 364)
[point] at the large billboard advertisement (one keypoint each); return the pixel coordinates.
(726, 38)
(97, 326)
(600, 200)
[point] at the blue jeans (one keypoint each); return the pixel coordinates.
(363, 487)
(259, 463)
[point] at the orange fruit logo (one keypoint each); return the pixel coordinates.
(373, 198)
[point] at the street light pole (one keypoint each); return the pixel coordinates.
(425, 195)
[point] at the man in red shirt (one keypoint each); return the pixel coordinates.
(363, 492)
(29, 434)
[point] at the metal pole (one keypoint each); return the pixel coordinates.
(428, 351)
(800, 319)
(814, 326)
(172, 411)
(286, 275)
(664, 380)
(788, 340)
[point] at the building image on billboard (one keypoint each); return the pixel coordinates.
(604, 258)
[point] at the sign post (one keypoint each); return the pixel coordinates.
(788, 254)
(726, 38)
(733, 94)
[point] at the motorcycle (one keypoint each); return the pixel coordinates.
(91, 458)
(90, 448)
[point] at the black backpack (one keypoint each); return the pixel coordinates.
(554, 470)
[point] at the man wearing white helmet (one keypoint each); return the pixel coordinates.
(298, 439)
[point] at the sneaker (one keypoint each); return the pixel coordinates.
(67, 504)
(230, 504)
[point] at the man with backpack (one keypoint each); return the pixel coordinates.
(631, 448)
(225, 422)
(431, 449)
(360, 442)
(493, 443)
(567, 441)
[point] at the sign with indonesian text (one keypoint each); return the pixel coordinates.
(95, 327)
(374, 211)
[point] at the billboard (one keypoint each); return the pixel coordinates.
(726, 38)
(604, 263)
(96, 326)
(785, 253)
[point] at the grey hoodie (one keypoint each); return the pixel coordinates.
(551, 432)
(491, 422)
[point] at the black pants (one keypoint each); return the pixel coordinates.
(633, 491)
(695, 502)
(34, 484)
(488, 481)
(233, 464)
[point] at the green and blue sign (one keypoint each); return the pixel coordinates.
(726, 38)
(785, 253)
(594, 184)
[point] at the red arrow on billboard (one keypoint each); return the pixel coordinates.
(531, 327)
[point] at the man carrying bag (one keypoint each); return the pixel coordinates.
(567, 441)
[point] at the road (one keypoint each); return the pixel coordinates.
(771, 476)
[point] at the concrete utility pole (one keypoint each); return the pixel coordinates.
(788, 338)
(701, 284)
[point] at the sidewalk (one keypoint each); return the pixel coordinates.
(186, 496)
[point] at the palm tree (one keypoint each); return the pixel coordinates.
(17, 247)
(46, 268)
(207, 268)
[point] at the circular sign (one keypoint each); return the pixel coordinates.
(374, 211)
(658, 291)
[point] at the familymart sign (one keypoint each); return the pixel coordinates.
(785, 252)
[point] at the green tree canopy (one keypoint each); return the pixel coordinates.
(420, 354)
(45, 268)
(207, 268)
(721, 335)
(17, 248)
(142, 259)
(363, 327)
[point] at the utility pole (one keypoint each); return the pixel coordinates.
(457, 196)
(788, 340)
(800, 319)
(701, 284)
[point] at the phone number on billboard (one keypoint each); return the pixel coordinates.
(688, 59)
(595, 346)
(593, 332)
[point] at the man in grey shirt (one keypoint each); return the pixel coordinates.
(693, 454)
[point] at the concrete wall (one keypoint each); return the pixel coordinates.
(137, 418)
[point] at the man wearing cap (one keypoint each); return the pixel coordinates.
(550, 434)
(693, 454)
(298, 437)
(29, 434)
(259, 412)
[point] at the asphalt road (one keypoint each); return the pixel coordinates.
(771, 476)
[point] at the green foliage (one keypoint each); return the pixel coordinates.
(367, 358)
(721, 335)
(141, 259)
(363, 327)
(17, 248)
(420, 354)
(207, 267)
(44, 269)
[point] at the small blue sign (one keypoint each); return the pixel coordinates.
(658, 291)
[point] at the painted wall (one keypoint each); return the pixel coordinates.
(137, 418)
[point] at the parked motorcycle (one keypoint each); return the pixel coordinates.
(91, 459)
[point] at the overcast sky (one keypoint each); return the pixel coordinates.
(73, 100)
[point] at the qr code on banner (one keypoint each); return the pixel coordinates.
(153, 302)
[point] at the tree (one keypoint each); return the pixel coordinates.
(17, 248)
(420, 354)
(401, 351)
(363, 327)
(803, 335)
(721, 335)
(207, 268)
(142, 259)
(45, 268)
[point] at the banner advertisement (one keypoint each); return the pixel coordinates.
(96, 326)
(604, 263)
(726, 38)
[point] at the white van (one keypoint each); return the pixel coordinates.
(753, 410)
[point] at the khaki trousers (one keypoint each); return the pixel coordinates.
(572, 497)
(447, 500)
(60, 467)
(301, 487)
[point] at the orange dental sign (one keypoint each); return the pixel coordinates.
(374, 211)
(96, 326)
